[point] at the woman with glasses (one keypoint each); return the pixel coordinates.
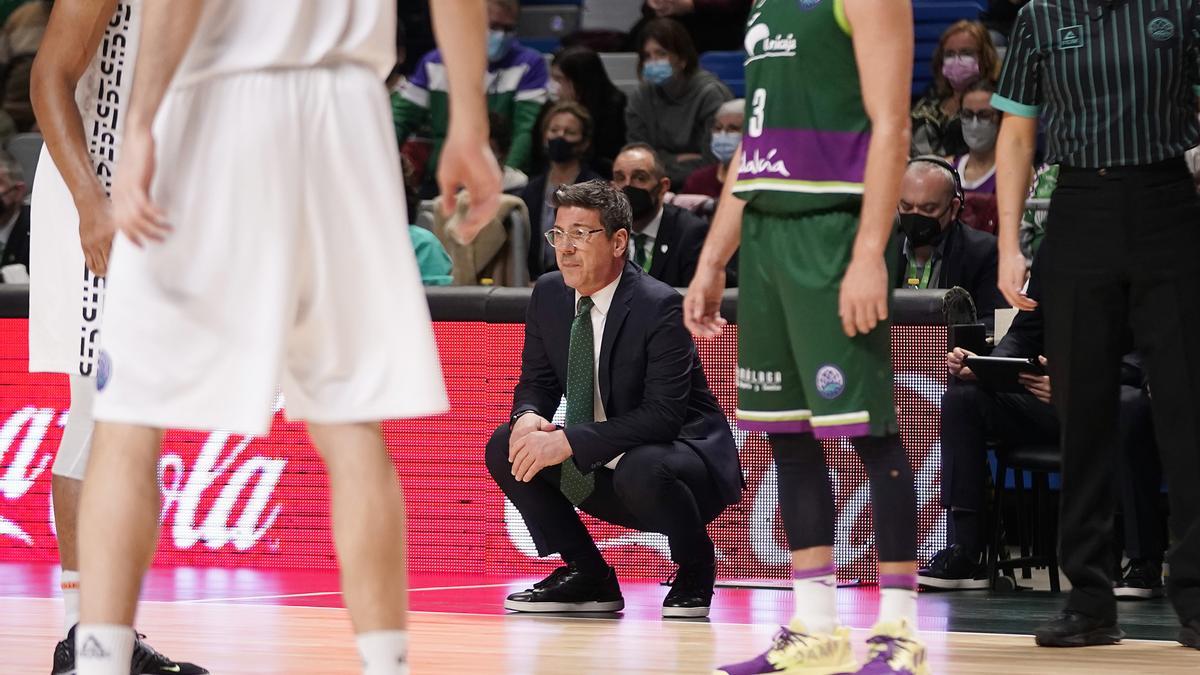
(977, 167)
(964, 55)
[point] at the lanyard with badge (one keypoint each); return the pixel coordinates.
(919, 279)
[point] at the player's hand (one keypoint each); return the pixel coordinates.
(1010, 279)
(955, 363)
(702, 304)
(133, 212)
(537, 451)
(862, 300)
(525, 425)
(95, 235)
(467, 162)
(1038, 385)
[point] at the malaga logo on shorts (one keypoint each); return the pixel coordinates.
(103, 370)
(830, 381)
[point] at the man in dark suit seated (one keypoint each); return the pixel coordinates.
(935, 248)
(14, 216)
(972, 416)
(645, 444)
(666, 239)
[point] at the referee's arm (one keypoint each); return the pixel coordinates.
(1019, 96)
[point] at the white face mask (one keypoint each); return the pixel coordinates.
(980, 135)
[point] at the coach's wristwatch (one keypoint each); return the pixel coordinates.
(512, 421)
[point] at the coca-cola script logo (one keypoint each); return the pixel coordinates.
(22, 455)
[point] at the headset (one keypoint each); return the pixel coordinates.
(958, 186)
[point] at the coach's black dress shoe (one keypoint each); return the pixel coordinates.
(691, 591)
(1073, 629)
(1189, 634)
(568, 589)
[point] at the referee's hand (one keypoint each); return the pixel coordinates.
(1010, 279)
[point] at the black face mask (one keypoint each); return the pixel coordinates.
(921, 230)
(560, 150)
(640, 201)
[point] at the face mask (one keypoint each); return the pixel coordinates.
(960, 71)
(979, 135)
(497, 44)
(921, 230)
(560, 150)
(640, 201)
(553, 90)
(724, 144)
(657, 72)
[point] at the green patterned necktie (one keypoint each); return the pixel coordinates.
(639, 249)
(580, 397)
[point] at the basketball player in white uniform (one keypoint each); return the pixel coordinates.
(80, 90)
(262, 243)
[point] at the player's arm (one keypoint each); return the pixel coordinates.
(167, 30)
(702, 306)
(884, 57)
(71, 40)
(467, 159)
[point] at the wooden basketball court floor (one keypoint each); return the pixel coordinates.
(256, 621)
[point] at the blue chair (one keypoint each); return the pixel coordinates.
(729, 67)
(930, 19)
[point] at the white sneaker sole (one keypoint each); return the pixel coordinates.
(1129, 593)
(850, 666)
(953, 584)
(684, 612)
(536, 607)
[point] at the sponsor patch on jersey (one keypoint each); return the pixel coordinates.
(831, 382)
(1070, 37)
(103, 370)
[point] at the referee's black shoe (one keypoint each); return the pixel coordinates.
(1189, 634)
(1074, 629)
(146, 660)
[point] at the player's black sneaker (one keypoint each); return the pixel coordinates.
(146, 660)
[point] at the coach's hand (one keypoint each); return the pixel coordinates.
(96, 234)
(525, 425)
(863, 297)
(702, 304)
(133, 212)
(467, 162)
(537, 451)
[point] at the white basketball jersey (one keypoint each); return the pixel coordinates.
(65, 299)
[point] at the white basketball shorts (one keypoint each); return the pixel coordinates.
(289, 264)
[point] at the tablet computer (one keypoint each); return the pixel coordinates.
(999, 373)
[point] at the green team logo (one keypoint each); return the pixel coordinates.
(1161, 29)
(1070, 37)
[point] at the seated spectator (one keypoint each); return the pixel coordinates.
(980, 126)
(14, 221)
(565, 137)
(673, 108)
(964, 54)
(936, 249)
(500, 139)
(23, 28)
(517, 89)
(715, 25)
(432, 259)
(645, 444)
(726, 135)
(972, 416)
(577, 74)
(666, 239)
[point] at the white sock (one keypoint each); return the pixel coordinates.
(103, 649)
(384, 652)
(69, 582)
(896, 604)
(815, 591)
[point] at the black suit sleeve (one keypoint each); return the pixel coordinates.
(986, 293)
(659, 418)
(539, 388)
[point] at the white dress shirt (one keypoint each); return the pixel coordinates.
(601, 301)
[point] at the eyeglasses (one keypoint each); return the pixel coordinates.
(981, 115)
(562, 239)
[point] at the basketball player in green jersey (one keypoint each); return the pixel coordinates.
(818, 175)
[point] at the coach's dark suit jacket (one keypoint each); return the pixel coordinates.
(651, 381)
(969, 260)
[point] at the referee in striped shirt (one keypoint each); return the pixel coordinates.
(1115, 82)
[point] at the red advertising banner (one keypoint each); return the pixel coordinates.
(233, 501)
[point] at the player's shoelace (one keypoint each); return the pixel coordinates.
(884, 646)
(786, 639)
(145, 655)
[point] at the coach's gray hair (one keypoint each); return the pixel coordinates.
(935, 167)
(600, 196)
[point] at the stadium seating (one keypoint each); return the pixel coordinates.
(729, 67)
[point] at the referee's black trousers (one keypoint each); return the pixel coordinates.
(1123, 247)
